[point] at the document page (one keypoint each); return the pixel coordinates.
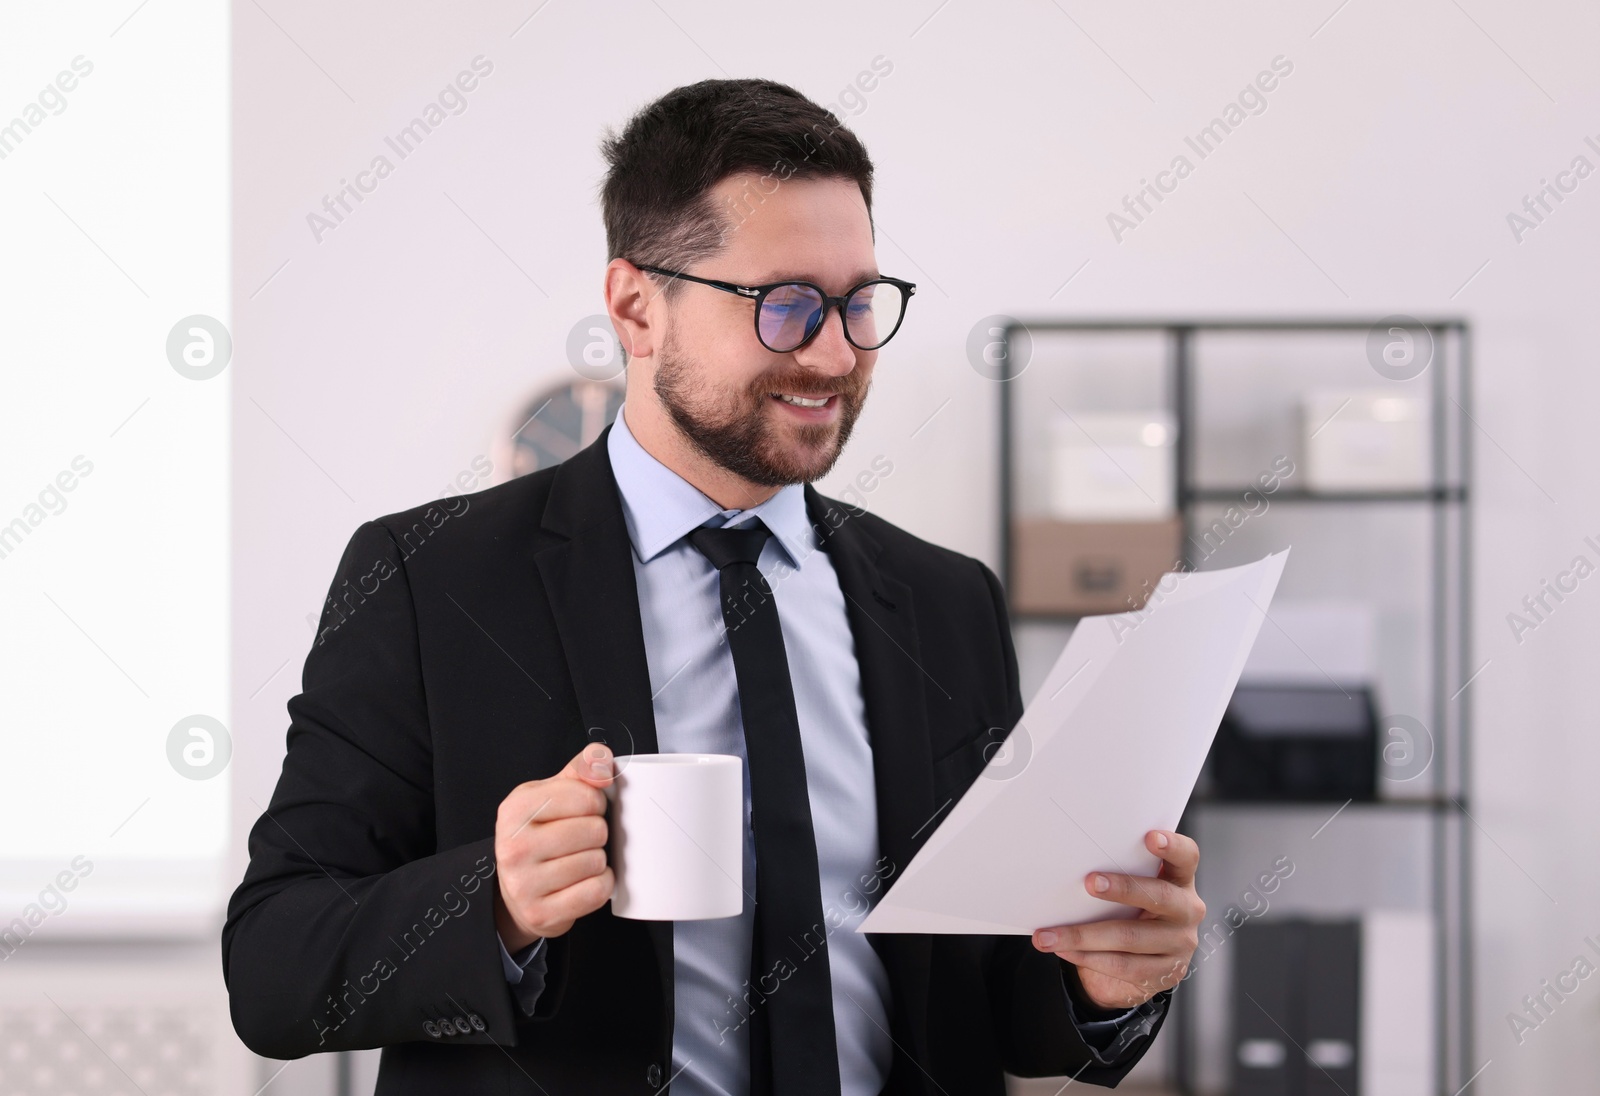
(1109, 748)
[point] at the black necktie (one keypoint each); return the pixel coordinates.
(793, 1048)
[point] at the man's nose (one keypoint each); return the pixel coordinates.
(829, 351)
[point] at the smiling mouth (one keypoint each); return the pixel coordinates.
(803, 401)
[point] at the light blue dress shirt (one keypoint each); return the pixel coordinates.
(696, 705)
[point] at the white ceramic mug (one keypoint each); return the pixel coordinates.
(676, 842)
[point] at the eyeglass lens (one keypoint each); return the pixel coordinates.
(790, 313)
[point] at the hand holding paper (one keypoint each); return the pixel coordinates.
(1121, 962)
(1107, 752)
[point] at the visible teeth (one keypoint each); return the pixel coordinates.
(801, 401)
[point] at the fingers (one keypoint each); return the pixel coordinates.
(592, 765)
(1157, 896)
(550, 846)
(556, 874)
(540, 877)
(1151, 973)
(550, 840)
(553, 874)
(575, 790)
(1179, 854)
(548, 800)
(1171, 894)
(1148, 953)
(557, 910)
(1140, 937)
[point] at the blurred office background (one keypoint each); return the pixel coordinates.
(1360, 323)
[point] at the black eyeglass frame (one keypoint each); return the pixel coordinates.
(758, 294)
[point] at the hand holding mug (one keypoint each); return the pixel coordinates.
(550, 850)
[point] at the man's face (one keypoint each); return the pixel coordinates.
(719, 385)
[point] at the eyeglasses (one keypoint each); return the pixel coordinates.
(789, 314)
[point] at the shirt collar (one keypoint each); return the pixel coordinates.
(661, 506)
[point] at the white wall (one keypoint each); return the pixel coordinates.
(373, 366)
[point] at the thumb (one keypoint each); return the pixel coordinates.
(593, 765)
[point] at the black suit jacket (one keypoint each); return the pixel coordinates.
(476, 642)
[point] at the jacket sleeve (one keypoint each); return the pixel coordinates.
(351, 929)
(1045, 1025)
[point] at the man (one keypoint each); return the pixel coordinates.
(431, 875)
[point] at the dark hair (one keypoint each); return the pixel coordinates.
(656, 198)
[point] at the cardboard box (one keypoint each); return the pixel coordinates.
(1085, 568)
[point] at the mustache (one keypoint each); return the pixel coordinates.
(848, 387)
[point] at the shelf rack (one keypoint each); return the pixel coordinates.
(1448, 501)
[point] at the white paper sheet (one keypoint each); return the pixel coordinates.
(1109, 748)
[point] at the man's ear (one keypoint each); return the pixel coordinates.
(629, 293)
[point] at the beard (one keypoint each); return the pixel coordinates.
(734, 428)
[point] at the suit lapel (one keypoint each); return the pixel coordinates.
(588, 577)
(882, 619)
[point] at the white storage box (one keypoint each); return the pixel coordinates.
(1365, 440)
(1112, 466)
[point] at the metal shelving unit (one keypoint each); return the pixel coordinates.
(1446, 502)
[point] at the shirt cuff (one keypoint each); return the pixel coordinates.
(514, 966)
(1099, 1027)
(1085, 1011)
